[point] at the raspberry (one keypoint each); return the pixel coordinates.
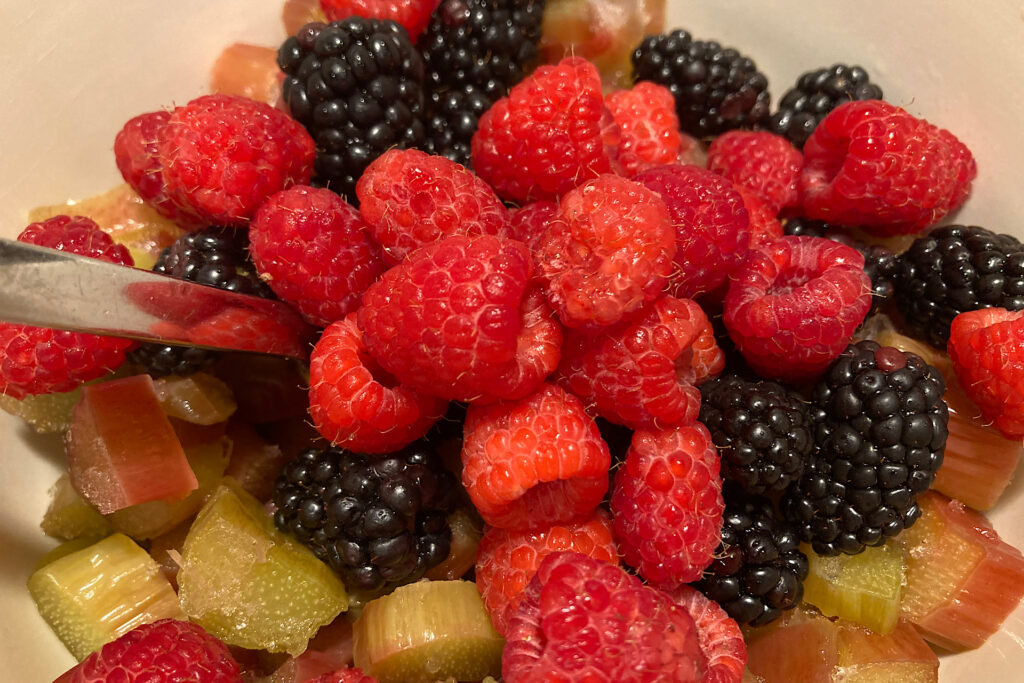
(712, 225)
(538, 460)
(137, 154)
(447, 321)
(987, 350)
(555, 127)
(165, 651)
(794, 304)
(40, 360)
(872, 164)
(667, 504)
(353, 675)
(353, 406)
(410, 199)
(650, 128)
(641, 373)
(530, 223)
(759, 162)
(315, 252)
(506, 560)
(607, 253)
(764, 225)
(223, 155)
(582, 619)
(413, 15)
(538, 350)
(720, 637)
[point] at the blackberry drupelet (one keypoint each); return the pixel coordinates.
(880, 434)
(817, 93)
(716, 89)
(214, 256)
(954, 269)
(474, 52)
(357, 86)
(758, 570)
(379, 521)
(879, 261)
(762, 430)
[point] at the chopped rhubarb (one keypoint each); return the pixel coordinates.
(122, 449)
(963, 581)
(248, 70)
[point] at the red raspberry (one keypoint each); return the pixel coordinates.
(447, 320)
(354, 407)
(870, 163)
(641, 373)
(353, 675)
(413, 15)
(137, 154)
(410, 198)
(585, 620)
(762, 163)
(987, 350)
(650, 128)
(530, 223)
(539, 460)
(506, 560)
(549, 135)
(667, 504)
(165, 651)
(721, 640)
(764, 223)
(40, 360)
(712, 226)
(538, 351)
(315, 252)
(607, 253)
(223, 155)
(794, 304)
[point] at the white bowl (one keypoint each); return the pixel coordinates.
(72, 78)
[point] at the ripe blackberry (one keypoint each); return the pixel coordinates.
(716, 89)
(474, 51)
(758, 570)
(881, 433)
(879, 261)
(213, 256)
(954, 269)
(763, 431)
(817, 93)
(357, 86)
(377, 522)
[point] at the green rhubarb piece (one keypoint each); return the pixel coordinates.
(425, 632)
(45, 413)
(92, 596)
(70, 516)
(248, 583)
(149, 520)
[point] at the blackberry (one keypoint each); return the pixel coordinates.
(214, 256)
(763, 431)
(474, 51)
(758, 570)
(881, 427)
(954, 269)
(357, 86)
(716, 89)
(378, 521)
(817, 93)
(879, 261)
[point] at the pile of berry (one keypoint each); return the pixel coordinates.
(482, 236)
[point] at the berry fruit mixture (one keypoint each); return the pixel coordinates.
(622, 373)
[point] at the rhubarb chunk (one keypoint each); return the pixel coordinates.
(122, 449)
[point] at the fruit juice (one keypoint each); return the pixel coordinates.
(115, 60)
